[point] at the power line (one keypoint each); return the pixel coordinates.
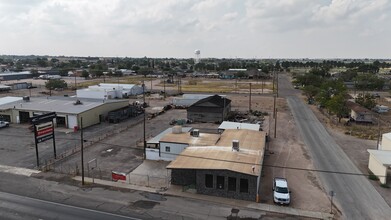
(223, 160)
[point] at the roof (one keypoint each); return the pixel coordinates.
(219, 158)
(56, 104)
(222, 157)
(383, 156)
(9, 99)
(156, 139)
(281, 182)
(15, 73)
(113, 85)
(204, 139)
(215, 99)
(238, 125)
(248, 139)
(357, 107)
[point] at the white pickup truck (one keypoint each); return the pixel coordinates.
(4, 124)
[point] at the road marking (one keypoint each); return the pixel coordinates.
(70, 206)
(18, 170)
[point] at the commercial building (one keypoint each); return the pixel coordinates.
(109, 91)
(230, 168)
(69, 110)
(380, 160)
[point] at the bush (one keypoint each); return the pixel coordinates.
(372, 176)
(384, 185)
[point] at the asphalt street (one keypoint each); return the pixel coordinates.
(355, 195)
(20, 207)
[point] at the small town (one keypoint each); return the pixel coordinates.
(200, 134)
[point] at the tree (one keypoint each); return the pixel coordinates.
(310, 91)
(85, 74)
(337, 105)
(56, 83)
(367, 100)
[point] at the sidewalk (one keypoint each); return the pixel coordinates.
(177, 191)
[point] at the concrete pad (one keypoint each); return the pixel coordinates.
(18, 170)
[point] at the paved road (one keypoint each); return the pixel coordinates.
(355, 195)
(20, 207)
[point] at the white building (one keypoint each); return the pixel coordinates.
(109, 91)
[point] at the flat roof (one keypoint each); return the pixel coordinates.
(204, 139)
(9, 99)
(54, 104)
(238, 125)
(248, 139)
(156, 139)
(218, 158)
(383, 156)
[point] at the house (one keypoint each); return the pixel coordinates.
(231, 168)
(358, 113)
(211, 109)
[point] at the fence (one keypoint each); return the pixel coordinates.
(148, 180)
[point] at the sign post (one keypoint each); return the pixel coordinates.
(43, 130)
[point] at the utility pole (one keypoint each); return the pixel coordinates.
(151, 84)
(82, 151)
(249, 104)
(378, 132)
(164, 86)
(275, 125)
(144, 142)
(274, 106)
(277, 84)
(332, 194)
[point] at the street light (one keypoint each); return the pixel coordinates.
(145, 143)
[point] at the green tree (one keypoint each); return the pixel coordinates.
(337, 105)
(85, 74)
(367, 100)
(310, 91)
(56, 83)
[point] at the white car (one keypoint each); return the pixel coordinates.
(4, 124)
(281, 193)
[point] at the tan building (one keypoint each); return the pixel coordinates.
(69, 110)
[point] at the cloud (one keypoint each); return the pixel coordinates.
(176, 27)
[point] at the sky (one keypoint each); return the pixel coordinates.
(218, 28)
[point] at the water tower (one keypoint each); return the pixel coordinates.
(197, 54)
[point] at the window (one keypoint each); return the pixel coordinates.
(244, 185)
(208, 181)
(167, 149)
(220, 182)
(231, 184)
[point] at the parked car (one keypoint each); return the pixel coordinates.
(281, 193)
(4, 124)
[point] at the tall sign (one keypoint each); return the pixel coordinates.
(44, 130)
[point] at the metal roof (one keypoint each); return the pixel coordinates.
(219, 158)
(9, 99)
(53, 104)
(238, 125)
(383, 156)
(113, 85)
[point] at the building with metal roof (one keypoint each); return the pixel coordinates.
(210, 109)
(69, 109)
(227, 164)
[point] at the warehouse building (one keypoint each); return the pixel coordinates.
(109, 91)
(210, 109)
(69, 110)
